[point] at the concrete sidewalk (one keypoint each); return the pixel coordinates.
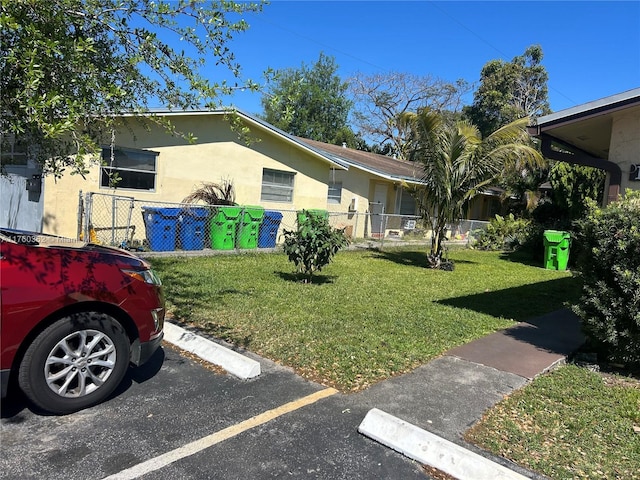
(449, 394)
(528, 348)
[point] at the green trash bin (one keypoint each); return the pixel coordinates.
(223, 228)
(556, 249)
(249, 226)
(313, 212)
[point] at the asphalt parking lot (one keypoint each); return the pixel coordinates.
(176, 419)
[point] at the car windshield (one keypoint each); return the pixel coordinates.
(23, 237)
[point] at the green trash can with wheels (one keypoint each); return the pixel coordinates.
(249, 226)
(556, 249)
(224, 224)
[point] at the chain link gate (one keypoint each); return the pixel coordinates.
(112, 225)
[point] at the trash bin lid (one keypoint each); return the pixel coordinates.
(167, 212)
(556, 236)
(198, 212)
(253, 213)
(273, 215)
(227, 213)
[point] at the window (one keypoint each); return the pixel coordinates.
(130, 168)
(335, 192)
(14, 152)
(407, 204)
(277, 186)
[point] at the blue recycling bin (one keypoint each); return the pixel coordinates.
(269, 229)
(193, 221)
(160, 225)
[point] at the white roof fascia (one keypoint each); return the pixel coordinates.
(596, 107)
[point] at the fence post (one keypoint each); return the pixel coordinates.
(114, 216)
(355, 227)
(88, 206)
(79, 218)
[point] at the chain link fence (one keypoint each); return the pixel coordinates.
(138, 225)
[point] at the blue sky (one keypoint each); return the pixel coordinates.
(591, 49)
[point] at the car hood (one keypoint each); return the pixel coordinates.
(68, 245)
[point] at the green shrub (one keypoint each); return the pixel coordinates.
(503, 233)
(312, 246)
(609, 263)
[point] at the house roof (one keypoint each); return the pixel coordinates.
(338, 157)
(587, 126)
(380, 165)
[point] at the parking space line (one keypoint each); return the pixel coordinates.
(196, 446)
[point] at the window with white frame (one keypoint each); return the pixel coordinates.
(277, 186)
(334, 195)
(128, 168)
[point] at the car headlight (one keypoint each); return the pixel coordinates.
(146, 276)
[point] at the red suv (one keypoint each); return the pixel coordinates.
(74, 315)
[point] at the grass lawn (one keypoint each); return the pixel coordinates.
(570, 423)
(368, 316)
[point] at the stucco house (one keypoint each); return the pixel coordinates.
(268, 167)
(604, 134)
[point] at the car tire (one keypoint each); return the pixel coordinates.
(76, 362)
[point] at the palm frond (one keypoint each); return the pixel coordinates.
(212, 193)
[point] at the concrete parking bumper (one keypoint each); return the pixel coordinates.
(233, 362)
(430, 449)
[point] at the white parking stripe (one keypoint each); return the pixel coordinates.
(196, 446)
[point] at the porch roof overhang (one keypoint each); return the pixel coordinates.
(582, 134)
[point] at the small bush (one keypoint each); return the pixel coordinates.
(312, 246)
(503, 233)
(609, 263)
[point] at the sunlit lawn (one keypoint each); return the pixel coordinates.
(368, 316)
(570, 423)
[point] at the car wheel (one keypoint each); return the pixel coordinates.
(74, 363)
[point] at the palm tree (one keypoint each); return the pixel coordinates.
(458, 164)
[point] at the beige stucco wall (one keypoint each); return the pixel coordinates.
(625, 145)
(217, 154)
(357, 189)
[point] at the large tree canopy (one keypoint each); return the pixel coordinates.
(381, 99)
(310, 101)
(509, 91)
(69, 66)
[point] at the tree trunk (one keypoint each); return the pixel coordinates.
(437, 234)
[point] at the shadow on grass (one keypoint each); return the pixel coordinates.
(300, 278)
(409, 258)
(523, 302)
(181, 289)
(525, 258)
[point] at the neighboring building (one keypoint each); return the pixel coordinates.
(604, 134)
(21, 199)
